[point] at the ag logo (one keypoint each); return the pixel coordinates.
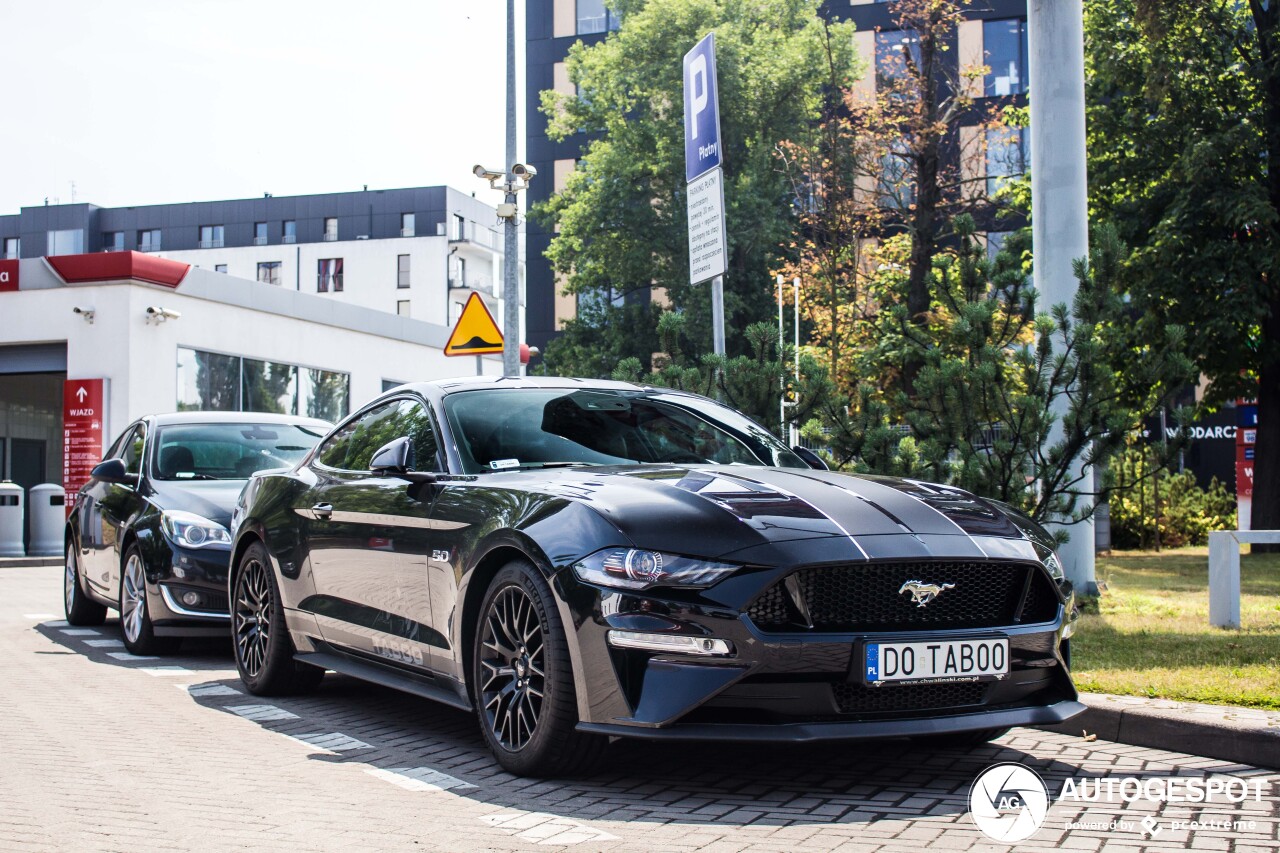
(1008, 802)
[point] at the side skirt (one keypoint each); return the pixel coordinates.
(384, 674)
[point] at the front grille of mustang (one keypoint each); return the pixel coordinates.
(867, 597)
(861, 699)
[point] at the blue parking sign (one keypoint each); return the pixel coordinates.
(701, 110)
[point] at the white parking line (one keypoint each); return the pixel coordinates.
(38, 616)
(543, 828)
(261, 713)
(209, 689)
(165, 670)
(79, 632)
(104, 644)
(419, 779)
(131, 657)
(56, 624)
(331, 741)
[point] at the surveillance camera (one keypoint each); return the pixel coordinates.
(486, 174)
(85, 313)
(158, 314)
(525, 171)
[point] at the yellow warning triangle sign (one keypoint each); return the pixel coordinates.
(475, 332)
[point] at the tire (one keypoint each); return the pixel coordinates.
(263, 649)
(523, 681)
(135, 614)
(79, 607)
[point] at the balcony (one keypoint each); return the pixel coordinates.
(330, 238)
(259, 241)
(406, 232)
(210, 244)
(289, 238)
(148, 247)
(480, 284)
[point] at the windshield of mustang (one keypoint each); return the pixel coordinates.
(503, 429)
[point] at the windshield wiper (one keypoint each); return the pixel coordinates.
(194, 476)
(558, 464)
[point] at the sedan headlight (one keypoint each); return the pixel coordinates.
(188, 530)
(1055, 568)
(635, 568)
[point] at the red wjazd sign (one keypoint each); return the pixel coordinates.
(82, 430)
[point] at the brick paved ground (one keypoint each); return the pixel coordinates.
(107, 752)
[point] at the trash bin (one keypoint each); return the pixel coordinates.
(11, 517)
(48, 519)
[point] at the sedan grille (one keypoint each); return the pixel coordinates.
(870, 597)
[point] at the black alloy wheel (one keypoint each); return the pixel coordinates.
(513, 663)
(264, 651)
(523, 681)
(80, 609)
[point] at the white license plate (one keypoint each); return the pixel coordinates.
(936, 660)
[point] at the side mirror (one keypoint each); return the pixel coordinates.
(395, 459)
(810, 458)
(113, 471)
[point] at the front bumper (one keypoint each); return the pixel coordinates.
(173, 573)
(789, 686)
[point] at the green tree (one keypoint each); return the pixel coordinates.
(621, 218)
(1184, 161)
(982, 410)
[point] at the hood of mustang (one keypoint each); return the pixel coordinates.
(744, 513)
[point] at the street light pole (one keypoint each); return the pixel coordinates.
(511, 250)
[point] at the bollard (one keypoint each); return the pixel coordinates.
(48, 519)
(11, 517)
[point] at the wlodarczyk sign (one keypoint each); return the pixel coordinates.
(9, 274)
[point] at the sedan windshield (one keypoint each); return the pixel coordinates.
(227, 451)
(504, 429)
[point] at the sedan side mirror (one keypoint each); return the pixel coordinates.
(395, 459)
(810, 458)
(113, 471)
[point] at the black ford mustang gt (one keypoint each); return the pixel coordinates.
(576, 560)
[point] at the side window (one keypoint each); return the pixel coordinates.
(131, 452)
(116, 450)
(417, 425)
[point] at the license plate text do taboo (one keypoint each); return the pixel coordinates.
(936, 660)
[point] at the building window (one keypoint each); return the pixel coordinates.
(1005, 45)
(329, 275)
(402, 271)
(897, 179)
(269, 272)
(1007, 155)
(113, 241)
(594, 17)
(406, 224)
(149, 240)
(457, 227)
(259, 233)
(289, 232)
(402, 307)
(213, 382)
(893, 48)
(330, 228)
(211, 236)
(66, 242)
(222, 268)
(12, 247)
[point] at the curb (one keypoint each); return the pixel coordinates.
(28, 562)
(1225, 732)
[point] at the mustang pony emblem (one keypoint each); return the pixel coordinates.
(922, 593)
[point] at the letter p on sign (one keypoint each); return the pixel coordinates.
(697, 86)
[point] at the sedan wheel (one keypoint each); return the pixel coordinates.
(135, 617)
(264, 651)
(523, 682)
(80, 609)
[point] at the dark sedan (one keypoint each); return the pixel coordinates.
(148, 534)
(576, 560)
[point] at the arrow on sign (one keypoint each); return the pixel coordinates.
(81, 394)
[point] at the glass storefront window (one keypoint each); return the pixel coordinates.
(213, 382)
(270, 387)
(324, 394)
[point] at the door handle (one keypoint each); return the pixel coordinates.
(322, 511)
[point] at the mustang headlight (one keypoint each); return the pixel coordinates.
(188, 530)
(634, 568)
(1055, 568)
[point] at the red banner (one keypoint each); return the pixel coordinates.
(82, 422)
(1246, 439)
(9, 274)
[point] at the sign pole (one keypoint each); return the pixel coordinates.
(717, 314)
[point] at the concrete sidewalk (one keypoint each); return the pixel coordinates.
(28, 562)
(1226, 732)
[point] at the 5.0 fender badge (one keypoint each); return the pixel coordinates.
(922, 593)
